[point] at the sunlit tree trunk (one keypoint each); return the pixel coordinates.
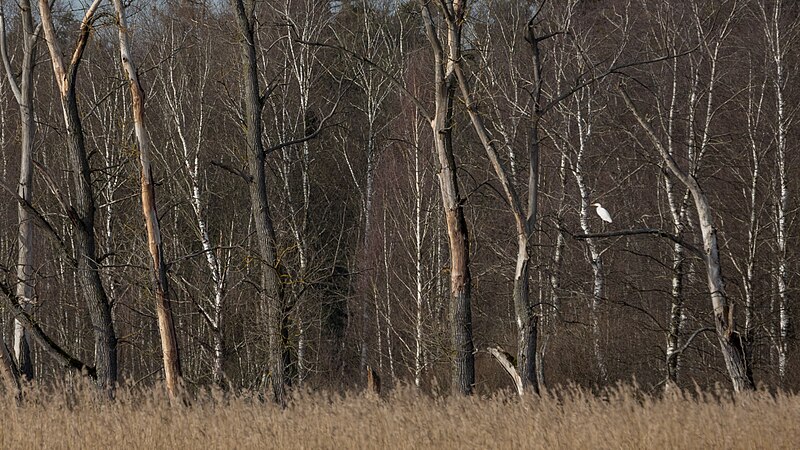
(775, 36)
(184, 96)
(166, 325)
(584, 132)
(731, 343)
(463, 362)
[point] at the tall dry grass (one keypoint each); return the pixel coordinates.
(622, 418)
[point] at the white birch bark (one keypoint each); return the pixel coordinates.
(775, 36)
(731, 345)
(584, 131)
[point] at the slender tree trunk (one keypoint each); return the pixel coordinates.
(23, 92)
(731, 343)
(419, 235)
(584, 127)
(166, 325)
(775, 37)
(755, 102)
(675, 316)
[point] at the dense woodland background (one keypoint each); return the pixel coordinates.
(353, 183)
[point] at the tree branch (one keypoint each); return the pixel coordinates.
(417, 102)
(6, 62)
(654, 231)
(612, 70)
(691, 338)
(48, 345)
(309, 136)
(238, 172)
(507, 361)
(40, 220)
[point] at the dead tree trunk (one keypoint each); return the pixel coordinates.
(463, 375)
(731, 343)
(166, 326)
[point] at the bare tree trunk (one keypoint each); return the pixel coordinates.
(265, 232)
(775, 39)
(166, 325)
(23, 93)
(463, 375)
(525, 318)
(755, 101)
(418, 236)
(731, 343)
(179, 93)
(82, 214)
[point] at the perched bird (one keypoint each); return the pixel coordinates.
(602, 212)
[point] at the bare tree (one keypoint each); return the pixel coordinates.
(23, 93)
(272, 294)
(374, 42)
(82, 213)
(731, 343)
(166, 325)
(445, 57)
(779, 37)
(583, 117)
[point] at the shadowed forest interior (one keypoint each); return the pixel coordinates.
(275, 195)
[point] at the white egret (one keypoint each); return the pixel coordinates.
(602, 212)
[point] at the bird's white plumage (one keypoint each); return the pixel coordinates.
(602, 212)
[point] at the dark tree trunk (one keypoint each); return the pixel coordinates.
(82, 213)
(272, 292)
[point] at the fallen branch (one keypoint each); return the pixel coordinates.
(507, 361)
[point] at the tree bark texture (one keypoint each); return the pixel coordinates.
(166, 325)
(272, 292)
(82, 213)
(463, 368)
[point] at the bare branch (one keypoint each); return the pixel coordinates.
(48, 345)
(40, 220)
(417, 102)
(6, 61)
(238, 172)
(309, 136)
(507, 361)
(654, 231)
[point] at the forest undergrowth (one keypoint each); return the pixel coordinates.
(620, 418)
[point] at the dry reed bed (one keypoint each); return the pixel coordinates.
(622, 418)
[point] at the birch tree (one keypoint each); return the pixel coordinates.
(303, 21)
(188, 119)
(584, 122)
(374, 42)
(779, 34)
(732, 345)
